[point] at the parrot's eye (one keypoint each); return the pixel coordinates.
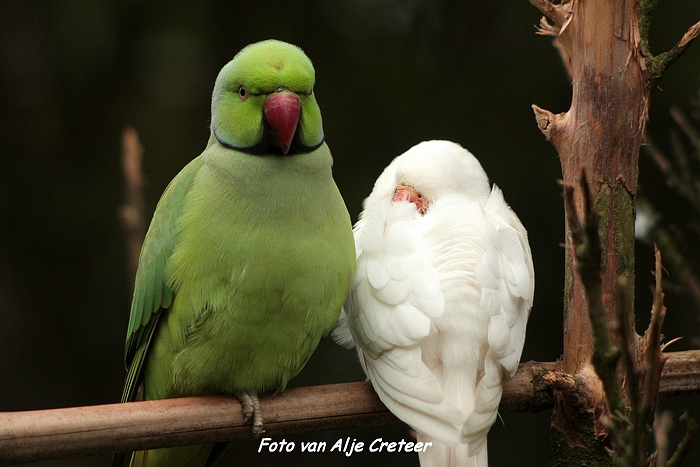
(243, 93)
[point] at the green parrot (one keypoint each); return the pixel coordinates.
(249, 256)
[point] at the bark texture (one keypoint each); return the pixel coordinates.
(600, 135)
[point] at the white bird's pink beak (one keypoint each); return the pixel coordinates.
(410, 194)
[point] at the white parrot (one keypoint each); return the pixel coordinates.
(441, 298)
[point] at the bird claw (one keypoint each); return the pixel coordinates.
(252, 412)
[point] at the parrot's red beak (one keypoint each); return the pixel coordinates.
(282, 111)
(410, 194)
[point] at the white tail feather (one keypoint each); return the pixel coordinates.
(442, 455)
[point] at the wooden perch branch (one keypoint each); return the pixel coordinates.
(46, 434)
(81, 431)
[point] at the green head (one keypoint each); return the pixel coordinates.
(263, 101)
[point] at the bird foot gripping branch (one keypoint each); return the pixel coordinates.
(252, 412)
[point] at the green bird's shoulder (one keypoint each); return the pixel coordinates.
(151, 291)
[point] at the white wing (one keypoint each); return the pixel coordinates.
(440, 302)
(507, 278)
(506, 275)
(390, 310)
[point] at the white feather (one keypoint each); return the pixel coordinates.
(440, 301)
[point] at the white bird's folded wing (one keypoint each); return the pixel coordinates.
(506, 275)
(393, 299)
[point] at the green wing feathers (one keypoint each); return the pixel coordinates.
(151, 293)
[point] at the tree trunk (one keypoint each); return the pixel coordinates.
(600, 134)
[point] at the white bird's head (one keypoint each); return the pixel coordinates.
(427, 171)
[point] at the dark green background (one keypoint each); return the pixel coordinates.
(390, 73)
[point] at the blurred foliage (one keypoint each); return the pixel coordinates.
(390, 73)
